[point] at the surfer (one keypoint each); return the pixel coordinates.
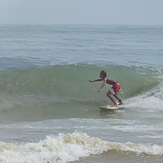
(113, 91)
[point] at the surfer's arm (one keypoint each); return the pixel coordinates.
(102, 86)
(95, 80)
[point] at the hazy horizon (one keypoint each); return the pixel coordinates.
(108, 12)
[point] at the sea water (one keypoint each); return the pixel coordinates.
(49, 111)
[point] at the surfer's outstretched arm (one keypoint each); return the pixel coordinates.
(95, 80)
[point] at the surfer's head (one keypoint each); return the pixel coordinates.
(103, 74)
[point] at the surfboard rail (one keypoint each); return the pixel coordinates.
(110, 107)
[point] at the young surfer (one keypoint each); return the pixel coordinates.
(113, 91)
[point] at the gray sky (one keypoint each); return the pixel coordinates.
(140, 12)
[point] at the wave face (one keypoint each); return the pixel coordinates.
(63, 91)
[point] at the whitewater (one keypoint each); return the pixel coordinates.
(49, 111)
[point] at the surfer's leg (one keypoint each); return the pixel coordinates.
(120, 101)
(111, 98)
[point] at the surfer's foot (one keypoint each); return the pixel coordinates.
(114, 105)
(120, 102)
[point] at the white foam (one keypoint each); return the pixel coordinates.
(138, 148)
(66, 148)
(151, 101)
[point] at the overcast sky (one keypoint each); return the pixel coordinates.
(139, 12)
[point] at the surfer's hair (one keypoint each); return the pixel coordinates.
(103, 72)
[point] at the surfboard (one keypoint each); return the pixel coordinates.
(110, 108)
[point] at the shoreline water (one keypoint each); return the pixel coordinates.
(120, 157)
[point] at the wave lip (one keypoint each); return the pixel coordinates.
(68, 147)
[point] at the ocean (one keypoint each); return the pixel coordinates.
(49, 111)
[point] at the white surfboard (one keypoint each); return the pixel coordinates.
(110, 108)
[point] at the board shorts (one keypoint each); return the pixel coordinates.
(116, 88)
